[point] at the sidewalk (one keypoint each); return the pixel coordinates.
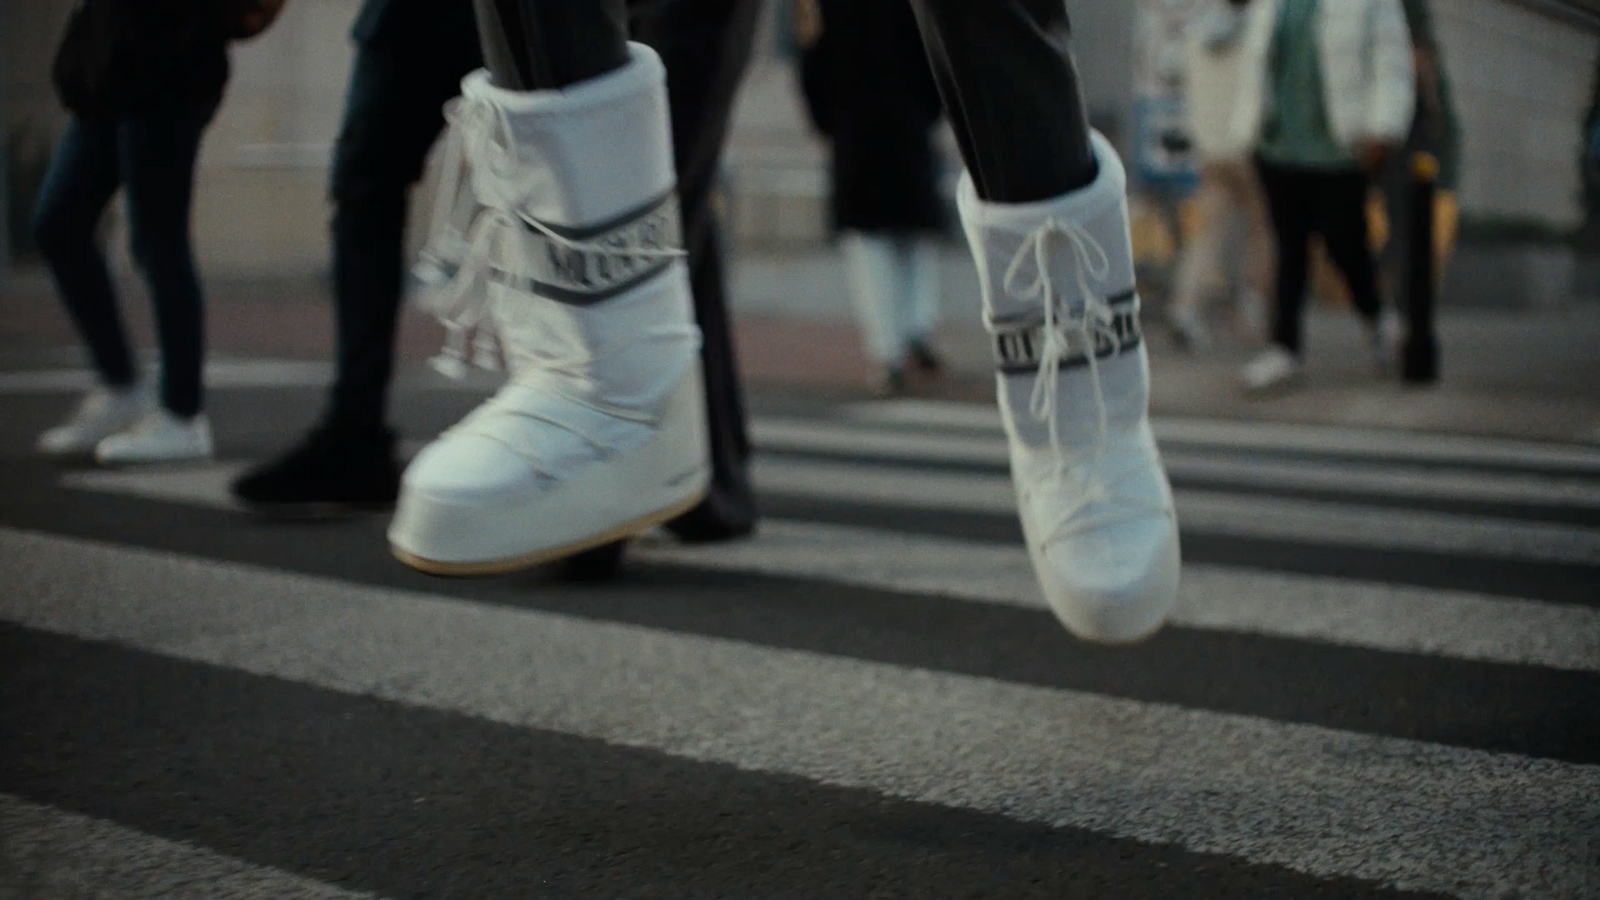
(1525, 375)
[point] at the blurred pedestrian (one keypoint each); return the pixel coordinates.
(1329, 97)
(1230, 190)
(1590, 164)
(870, 91)
(1435, 130)
(141, 80)
(411, 58)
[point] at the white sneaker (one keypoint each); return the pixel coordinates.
(1273, 368)
(1096, 509)
(574, 271)
(159, 437)
(101, 413)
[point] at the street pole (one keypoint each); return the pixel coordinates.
(1421, 354)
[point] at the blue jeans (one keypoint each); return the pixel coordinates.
(152, 158)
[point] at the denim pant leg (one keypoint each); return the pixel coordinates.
(393, 114)
(157, 154)
(82, 178)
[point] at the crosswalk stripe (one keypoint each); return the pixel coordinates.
(219, 373)
(1358, 614)
(974, 419)
(1315, 439)
(206, 486)
(1210, 512)
(783, 435)
(1339, 611)
(49, 852)
(1312, 799)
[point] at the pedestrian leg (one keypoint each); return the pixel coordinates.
(920, 262)
(706, 48)
(1045, 210)
(157, 153)
(1199, 272)
(577, 266)
(83, 176)
(392, 117)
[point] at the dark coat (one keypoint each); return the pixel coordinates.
(128, 57)
(406, 22)
(868, 87)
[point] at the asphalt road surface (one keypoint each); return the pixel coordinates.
(1382, 681)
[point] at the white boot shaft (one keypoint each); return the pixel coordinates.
(575, 263)
(1073, 382)
(920, 257)
(876, 285)
(1065, 263)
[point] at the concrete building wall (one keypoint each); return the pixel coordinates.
(260, 201)
(1521, 80)
(1522, 84)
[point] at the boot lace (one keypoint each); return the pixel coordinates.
(1092, 322)
(475, 239)
(481, 326)
(1086, 320)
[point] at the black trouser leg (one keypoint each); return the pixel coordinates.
(706, 47)
(158, 154)
(83, 176)
(1342, 202)
(392, 116)
(1011, 90)
(542, 44)
(1291, 198)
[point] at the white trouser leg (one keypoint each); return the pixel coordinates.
(919, 255)
(872, 268)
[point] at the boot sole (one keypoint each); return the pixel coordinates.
(549, 555)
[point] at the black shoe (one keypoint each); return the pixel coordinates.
(594, 566)
(726, 514)
(334, 470)
(921, 355)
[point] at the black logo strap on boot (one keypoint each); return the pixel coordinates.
(1018, 343)
(583, 266)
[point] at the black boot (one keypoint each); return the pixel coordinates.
(333, 470)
